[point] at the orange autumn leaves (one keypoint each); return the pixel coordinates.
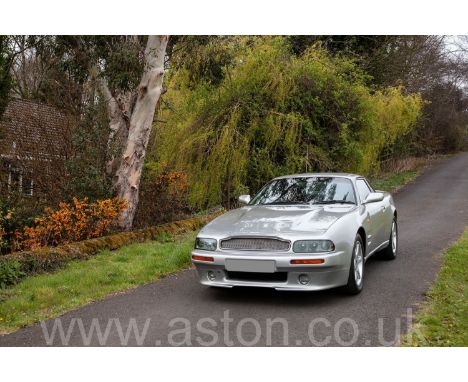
(174, 181)
(82, 220)
(79, 220)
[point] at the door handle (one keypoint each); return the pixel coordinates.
(383, 208)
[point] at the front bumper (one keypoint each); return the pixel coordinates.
(333, 272)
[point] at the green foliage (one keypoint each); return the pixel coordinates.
(124, 65)
(360, 46)
(164, 237)
(273, 113)
(6, 81)
(10, 273)
(203, 58)
(87, 167)
(3, 232)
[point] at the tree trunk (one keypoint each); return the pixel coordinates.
(118, 110)
(128, 175)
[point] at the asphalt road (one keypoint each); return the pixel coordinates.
(433, 211)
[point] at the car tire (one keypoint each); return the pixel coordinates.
(391, 250)
(356, 269)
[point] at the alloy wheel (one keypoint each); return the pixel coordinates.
(358, 264)
(394, 237)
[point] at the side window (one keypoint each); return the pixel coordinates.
(369, 185)
(363, 189)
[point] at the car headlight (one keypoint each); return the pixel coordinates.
(205, 244)
(313, 246)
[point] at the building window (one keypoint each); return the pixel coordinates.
(27, 184)
(14, 180)
(20, 181)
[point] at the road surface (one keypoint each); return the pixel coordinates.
(433, 211)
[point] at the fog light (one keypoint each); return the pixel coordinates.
(304, 279)
(211, 276)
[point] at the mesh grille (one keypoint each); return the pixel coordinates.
(255, 244)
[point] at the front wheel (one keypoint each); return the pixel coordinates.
(356, 270)
(390, 252)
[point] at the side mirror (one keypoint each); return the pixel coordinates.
(244, 199)
(374, 197)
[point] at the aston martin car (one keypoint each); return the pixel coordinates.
(300, 232)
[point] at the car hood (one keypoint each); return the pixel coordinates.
(276, 220)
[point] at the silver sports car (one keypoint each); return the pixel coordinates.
(300, 232)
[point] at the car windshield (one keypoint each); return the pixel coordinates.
(306, 190)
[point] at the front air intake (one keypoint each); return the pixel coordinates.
(255, 244)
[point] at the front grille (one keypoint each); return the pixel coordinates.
(255, 244)
(259, 277)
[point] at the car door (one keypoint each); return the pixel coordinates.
(372, 216)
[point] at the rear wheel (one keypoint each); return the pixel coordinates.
(390, 252)
(356, 270)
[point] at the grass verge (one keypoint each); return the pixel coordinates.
(393, 182)
(81, 282)
(399, 172)
(443, 320)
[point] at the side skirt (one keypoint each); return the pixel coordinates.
(381, 246)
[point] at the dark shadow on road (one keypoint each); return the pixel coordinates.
(268, 296)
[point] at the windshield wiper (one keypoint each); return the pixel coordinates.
(334, 202)
(284, 203)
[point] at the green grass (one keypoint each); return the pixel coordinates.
(392, 182)
(443, 320)
(48, 295)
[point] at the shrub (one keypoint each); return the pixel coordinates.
(16, 212)
(80, 220)
(3, 242)
(8, 226)
(10, 272)
(276, 113)
(163, 196)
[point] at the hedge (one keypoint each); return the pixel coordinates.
(50, 258)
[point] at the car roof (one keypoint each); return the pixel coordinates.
(321, 174)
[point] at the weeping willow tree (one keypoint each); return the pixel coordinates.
(272, 113)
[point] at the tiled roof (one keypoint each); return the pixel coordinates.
(32, 130)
